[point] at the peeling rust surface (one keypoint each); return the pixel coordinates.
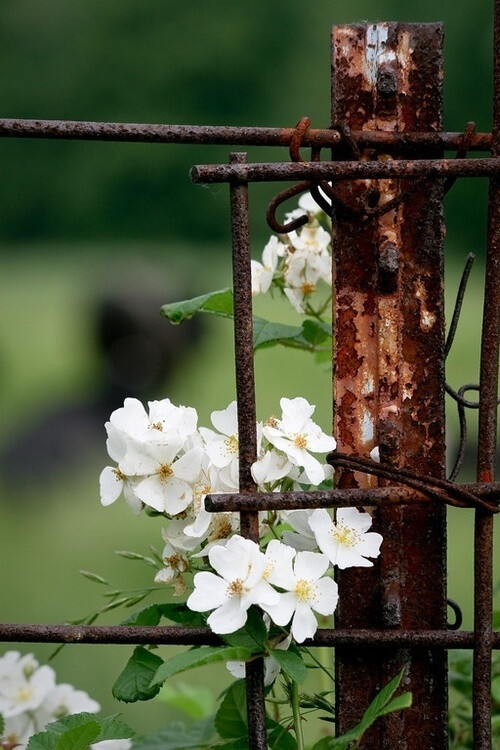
(389, 334)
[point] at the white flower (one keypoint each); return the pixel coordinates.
(166, 423)
(163, 481)
(222, 447)
(238, 585)
(23, 684)
(305, 588)
(64, 700)
(270, 467)
(296, 434)
(346, 542)
(308, 204)
(112, 482)
(312, 238)
(176, 563)
(123, 744)
(262, 273)
(17, 731)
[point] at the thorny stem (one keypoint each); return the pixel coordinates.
(297, 719)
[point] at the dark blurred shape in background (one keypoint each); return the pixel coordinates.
(138, 352)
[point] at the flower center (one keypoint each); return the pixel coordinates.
(236, 587)
(345, 536)
(300, 441)
(231, 444)
(164, 471)
(24, 693)
(308, 288)
(156, 426)
(119, 476)
(303, 590)
(271, 422)
(221, 528)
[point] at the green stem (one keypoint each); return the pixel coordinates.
(318, 663)
(297, 719)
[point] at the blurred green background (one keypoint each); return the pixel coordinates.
(83, 224)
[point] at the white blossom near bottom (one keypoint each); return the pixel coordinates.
(239, 584)
(271, 666)
(306, 589)
(347, 542)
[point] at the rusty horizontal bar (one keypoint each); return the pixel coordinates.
(178, 635)
(226, 135)
(346, 170)
(336, 498)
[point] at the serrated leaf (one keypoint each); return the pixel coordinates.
(291, 663)
(79, 738)
(112, 728)
(178, 736)
(231, 718)
(252, 635)
(134, 683)
(217, 303)
(198, 657)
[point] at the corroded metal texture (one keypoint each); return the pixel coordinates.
(340, 498)
(490, 344)
(178, 635)
(347, 170)
(247, 436)
(388, 374)
(224, 134)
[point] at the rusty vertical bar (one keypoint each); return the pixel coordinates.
(388, 375)
(247, 437)
(483, 529)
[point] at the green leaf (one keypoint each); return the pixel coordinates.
(177, 736)
(93, 577)
(495, 689)
(401, 701)
(217, 303)
(2, 725)
(278, 737)
(316, 332)
(175, 612)
(197, 701)
(134, 683)
(79, 738)
(112, 728)
(266, 333)
(231, 718)
(382, 698)
(77, 731)
(291, 663)
(198, 657)
(253, 634)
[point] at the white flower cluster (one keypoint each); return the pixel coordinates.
(296, 262)
(30, 699)
(166, 462)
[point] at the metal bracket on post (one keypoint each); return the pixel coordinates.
(389, 372)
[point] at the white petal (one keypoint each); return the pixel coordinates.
(310, 565)
(282, 612)
(369, 544)
(304, 624)
(326, 596)
(296, 413)
(228, 618)
(165, 575)
(354, 518)
(152, 492)
(349, 557)
(233, 560)
(110, 485)
(278, 570)
(188, 466)
(236, 668)
(226, 421)
(210, 592)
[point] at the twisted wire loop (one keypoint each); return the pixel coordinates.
(369, 207)
(437, 489)
(455, 607)
(458, 396)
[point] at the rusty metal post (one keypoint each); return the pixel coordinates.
(389, 373)
(483, 530)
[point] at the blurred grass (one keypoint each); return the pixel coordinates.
(47, 355)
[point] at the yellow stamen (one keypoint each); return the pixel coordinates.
(236, 587)
(300, 441)
(345, 536)
(156, 426)
(231, 444)
(164, 472)
(308, 288)
(303, 590)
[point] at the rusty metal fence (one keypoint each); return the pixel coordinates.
(384, 190)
